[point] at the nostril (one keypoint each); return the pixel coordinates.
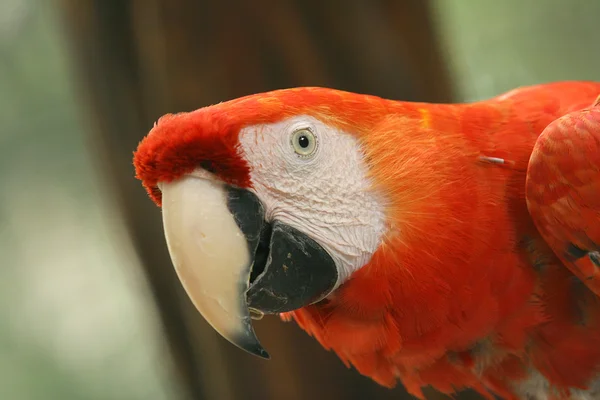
(208, 166)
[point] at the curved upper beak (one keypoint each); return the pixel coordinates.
(229, 259)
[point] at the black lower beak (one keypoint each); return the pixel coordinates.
(296, 271)
(290, 270)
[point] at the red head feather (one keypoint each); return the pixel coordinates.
(208, 137)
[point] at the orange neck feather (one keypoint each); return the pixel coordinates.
(452, 280)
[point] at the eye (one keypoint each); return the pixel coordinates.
(304, 142)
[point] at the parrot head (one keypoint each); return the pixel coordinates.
(269, 203)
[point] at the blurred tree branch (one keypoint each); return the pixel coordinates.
(138, 60)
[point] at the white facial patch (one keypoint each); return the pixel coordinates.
(326, 195)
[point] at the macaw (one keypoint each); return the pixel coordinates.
(451, 245)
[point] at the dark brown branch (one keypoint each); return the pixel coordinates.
(140, 59)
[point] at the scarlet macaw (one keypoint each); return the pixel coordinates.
(452, 245)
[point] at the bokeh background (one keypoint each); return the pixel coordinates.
(89, 304)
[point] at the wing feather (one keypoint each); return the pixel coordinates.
(563, 191)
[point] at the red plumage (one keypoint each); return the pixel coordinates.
(468, 279)
(464, 291)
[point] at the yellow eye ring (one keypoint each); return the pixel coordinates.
(304, 142)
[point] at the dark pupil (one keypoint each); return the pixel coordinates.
(303, 141)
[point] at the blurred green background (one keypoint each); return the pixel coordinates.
(85, 312)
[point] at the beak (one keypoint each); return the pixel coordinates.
(230, 260)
